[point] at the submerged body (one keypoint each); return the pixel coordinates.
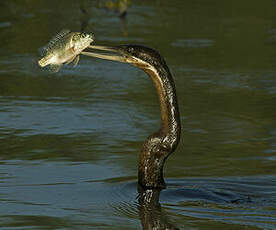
(65, 47)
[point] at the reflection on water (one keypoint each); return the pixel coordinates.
(84, 194)
(150, 211)
(70, 141)
(196, 43)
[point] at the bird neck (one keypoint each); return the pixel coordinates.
(160, 145)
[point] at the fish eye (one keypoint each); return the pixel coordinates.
(130, 49)
(75, 37)
(83, 35)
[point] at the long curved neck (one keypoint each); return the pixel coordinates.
(161, 144)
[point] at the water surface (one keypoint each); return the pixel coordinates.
(70, 141)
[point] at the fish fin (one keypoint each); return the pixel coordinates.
(53, 42)
(45, 49)
(42, 62)
(76, 61)
(54, 67)
(70, 60)
(58, 36)
(42, 51)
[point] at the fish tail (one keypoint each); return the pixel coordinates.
(43, 62)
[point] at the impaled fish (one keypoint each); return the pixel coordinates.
(65, 47)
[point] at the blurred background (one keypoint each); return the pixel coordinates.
(70, 141)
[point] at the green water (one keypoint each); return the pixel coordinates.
(69, 142)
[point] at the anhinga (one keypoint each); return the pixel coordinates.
(161, 144)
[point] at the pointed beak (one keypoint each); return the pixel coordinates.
(112, 53)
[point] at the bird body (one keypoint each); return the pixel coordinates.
(158, 146)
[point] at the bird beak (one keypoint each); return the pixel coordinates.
(114, 53)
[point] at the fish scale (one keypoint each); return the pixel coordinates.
(64, 47)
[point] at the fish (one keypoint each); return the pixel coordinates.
(64, 47)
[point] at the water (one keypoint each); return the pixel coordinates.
(70, 141)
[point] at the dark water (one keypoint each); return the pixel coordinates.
(69, 142)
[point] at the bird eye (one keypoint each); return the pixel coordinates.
(83, 35)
